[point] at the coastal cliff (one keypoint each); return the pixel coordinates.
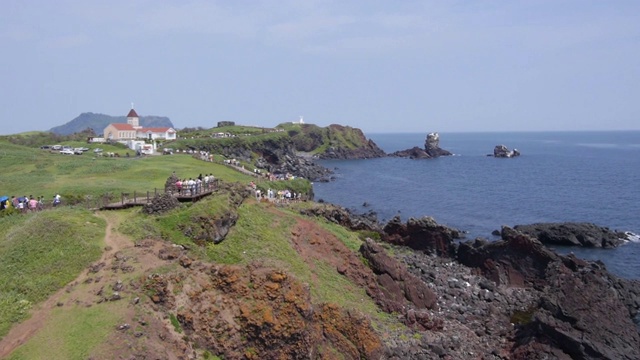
(287, 148)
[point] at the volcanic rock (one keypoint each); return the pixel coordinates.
(431, 149)
(161, 204)
(432, 146)
(423, 234)
(579, 311)
(574, 234)
(501, 151)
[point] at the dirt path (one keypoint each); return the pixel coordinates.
(22, 332)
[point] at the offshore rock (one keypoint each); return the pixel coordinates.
(431, 149)
(501, 151)
(432, 146)
(423, 234)
(575, 310)
(413, 153)
(574, 234)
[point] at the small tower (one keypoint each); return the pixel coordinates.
(133, 118)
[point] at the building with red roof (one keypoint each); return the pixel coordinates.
(132, 131)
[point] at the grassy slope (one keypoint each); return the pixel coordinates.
(40, 253)
(261, 233)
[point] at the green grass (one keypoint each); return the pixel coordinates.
(71, 333)
(30, 171)
(40, 253)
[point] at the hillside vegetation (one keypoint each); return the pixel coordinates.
(323, 142)
(42, 252)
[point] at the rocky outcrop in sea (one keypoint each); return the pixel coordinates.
(431, 149)
(501, 151)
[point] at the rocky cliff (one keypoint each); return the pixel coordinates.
(291, 148)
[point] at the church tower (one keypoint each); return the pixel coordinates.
(133, 118)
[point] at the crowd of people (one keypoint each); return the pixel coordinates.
(28, 203)
(191, 186)
(277, 196)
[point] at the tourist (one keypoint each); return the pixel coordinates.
(33, 203)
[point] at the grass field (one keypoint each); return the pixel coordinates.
(29, 171)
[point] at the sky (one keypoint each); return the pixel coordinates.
(382, 66)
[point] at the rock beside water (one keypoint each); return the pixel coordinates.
(501, 151)
(574, 309)
(431, 149)
(574, 234)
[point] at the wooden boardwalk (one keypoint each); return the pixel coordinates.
(128, 200)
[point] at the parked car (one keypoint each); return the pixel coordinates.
(56, 147)
(45, 147)
(78, 151)
(66, 152)
(97, 150)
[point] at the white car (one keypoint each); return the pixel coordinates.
(66, 152)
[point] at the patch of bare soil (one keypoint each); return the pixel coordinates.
(105, 281)
(313, 242)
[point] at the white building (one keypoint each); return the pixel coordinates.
(132, 130)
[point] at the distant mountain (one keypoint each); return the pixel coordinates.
(100, 121)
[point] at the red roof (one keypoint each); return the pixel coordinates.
(132, 113)
(155, 130)
(122, 126)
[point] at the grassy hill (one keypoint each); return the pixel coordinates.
(41, 253)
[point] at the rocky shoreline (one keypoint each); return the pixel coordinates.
(508, 299)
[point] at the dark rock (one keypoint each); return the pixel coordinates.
(576, 309)
(185, 261)
(341, 216)
(423, 234)
(413, 153)
(170, 184)
(574, 234)
(398, 285)
(432, 146)
(501, 151)
(515, 261)
(431, 149)
(161, 204)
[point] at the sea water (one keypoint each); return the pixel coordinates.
(560, 176)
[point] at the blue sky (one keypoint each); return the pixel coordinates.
(382, 66)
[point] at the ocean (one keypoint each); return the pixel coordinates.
(560, 176)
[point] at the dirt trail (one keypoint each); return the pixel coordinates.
(22, 332)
